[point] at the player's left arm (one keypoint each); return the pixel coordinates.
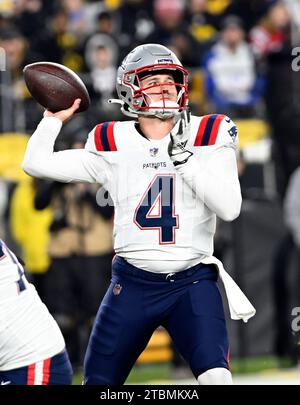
(211, 171)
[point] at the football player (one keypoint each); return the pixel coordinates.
(169, 175)
(32, 348)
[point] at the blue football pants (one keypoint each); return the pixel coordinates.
(188, 305)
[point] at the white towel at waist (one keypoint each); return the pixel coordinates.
(239, 305)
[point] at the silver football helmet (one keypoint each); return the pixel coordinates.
(146, 60)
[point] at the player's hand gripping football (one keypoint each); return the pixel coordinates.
(179, 137)
(64, 115)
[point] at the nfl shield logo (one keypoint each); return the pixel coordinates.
(153, 151)
(117, 289)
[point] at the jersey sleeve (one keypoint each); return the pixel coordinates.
(212, 170)
(73, 165)
(102, 139)
(216, 130)
(227, 133)
(90, 144)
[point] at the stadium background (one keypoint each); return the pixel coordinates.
(241, 56)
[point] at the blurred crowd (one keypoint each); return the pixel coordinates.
(239, 55)
(229, 45)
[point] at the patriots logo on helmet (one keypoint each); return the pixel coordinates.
(117, 289)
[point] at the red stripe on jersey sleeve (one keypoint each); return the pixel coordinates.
(215, 129)
(97, 138)
(201, 130)
(110, 136)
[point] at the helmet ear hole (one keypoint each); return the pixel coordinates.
(123, 93)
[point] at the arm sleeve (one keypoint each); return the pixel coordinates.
(66, 166)
(291, 207)
(212, 174)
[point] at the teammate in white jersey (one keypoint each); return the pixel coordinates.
(169, 174)
(32, 348)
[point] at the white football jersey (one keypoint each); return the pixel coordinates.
(28, 333)
(165, 215)
(158, 221)
(161, 222)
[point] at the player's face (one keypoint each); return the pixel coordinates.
(159, 87)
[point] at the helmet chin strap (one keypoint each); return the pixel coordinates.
(124, 107)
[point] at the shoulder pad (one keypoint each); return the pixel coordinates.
(101, 138)
(216, 129)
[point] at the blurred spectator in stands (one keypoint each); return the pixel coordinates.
(30, 229)
(82, 16)
(5, 22)
(30, 17)
(106, 34)
(18, 111)
(136, 23)
(59, 43)
(81, 252)
(269, 35)
(271, 42)
(232, 84)
(101, 56)
(293, 9)
(203, 25)
(250, 11)
(55, 41)
(172, 28)
(106, 24)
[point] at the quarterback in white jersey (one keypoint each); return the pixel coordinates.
(169, 175)
(32, 348)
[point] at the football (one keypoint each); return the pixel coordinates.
(55, 86)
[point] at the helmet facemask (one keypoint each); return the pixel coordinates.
(138, 100)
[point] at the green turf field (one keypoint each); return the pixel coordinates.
(147, 373)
